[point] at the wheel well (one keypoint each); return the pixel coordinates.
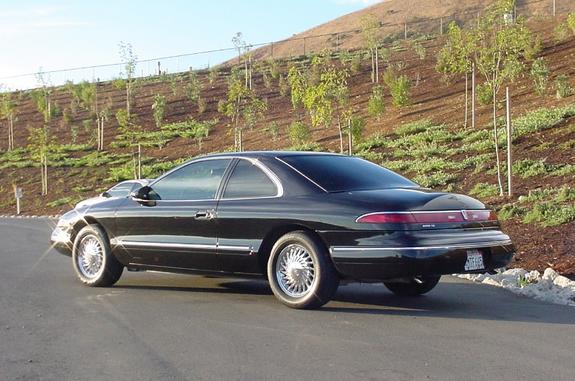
(82, 224)
(271, 238)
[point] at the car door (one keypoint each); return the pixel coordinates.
(175, 227)
(248, 200)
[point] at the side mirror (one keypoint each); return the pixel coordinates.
(141, 195)
(106, 194)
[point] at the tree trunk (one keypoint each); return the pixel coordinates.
(240, 140)
(495, 134)
(46, 175)
(509, 144)
(340, 135)
(350, 138)
(139, 161)
(376, 65)
(466, 98)
(473, 96)
(102, 133)
(128, 99)
(11, 134)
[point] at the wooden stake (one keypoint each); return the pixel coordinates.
(509, 145)
(473, 96)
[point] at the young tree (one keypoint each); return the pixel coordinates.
(376, 103)
(323, 94)
(130, 134)
(42, 96)
(369, 30)
(158, 109)
(103, 116)
(129, 59)
(242, 106)
(8, 112)
(455, 58)
(399, 87)
(540, 75)
(40, 145)
(244, 52)
(498, 51)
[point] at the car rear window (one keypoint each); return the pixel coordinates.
(345, 173)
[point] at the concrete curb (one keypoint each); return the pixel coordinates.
(23, 216)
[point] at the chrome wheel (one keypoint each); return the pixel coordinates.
(295, 271)
(90, 258)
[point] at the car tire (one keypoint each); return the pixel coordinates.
(413, 288)
(300, 271)
(92, 258)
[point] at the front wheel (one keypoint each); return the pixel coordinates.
(300, 271)
(93, 261)
(414, 287)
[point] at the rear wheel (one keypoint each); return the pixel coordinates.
(414, 287)
(93, 261)
(300, 271)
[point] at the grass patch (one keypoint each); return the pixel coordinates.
(435, 180)
(484, 190)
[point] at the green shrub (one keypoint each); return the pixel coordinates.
(158, 108)
(484, 190)
(510, 211)
(273, 130)
(414, 127)
(541, 119)
(528, 168)
(571, 22)
(550, 214)
(561, 32)
(298, 133)
(376, 104)
(563, 87)
(400, 88)
(484, 94)
(540, 75)
(311, 146)
(434, 180)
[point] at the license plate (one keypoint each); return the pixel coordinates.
(474, 260)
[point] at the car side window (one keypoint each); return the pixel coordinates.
(120, 190)
(249, 181)
(196, 181)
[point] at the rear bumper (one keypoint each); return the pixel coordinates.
(373, 263)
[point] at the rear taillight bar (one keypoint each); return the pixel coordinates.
(432, 217)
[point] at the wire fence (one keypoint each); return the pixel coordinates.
(288, 48)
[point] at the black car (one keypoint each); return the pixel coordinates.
(303, 220)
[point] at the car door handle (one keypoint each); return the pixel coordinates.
(204, 215)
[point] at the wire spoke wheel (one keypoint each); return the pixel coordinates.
(295, 271)
(90, 258)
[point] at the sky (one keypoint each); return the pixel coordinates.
(60, 34)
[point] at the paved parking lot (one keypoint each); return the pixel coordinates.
(161, 327)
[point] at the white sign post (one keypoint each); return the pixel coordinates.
(18, 194)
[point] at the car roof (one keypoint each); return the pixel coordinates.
(256, 154)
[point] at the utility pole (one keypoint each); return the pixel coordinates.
(509, 144)
(441, 26)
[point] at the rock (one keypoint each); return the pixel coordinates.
(550, 274)
(562, 281)
(515, 272)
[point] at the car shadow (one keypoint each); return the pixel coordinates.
(450, 299)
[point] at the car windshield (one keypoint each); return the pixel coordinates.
(344, 173)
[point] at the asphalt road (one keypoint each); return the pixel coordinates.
(176, 327)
